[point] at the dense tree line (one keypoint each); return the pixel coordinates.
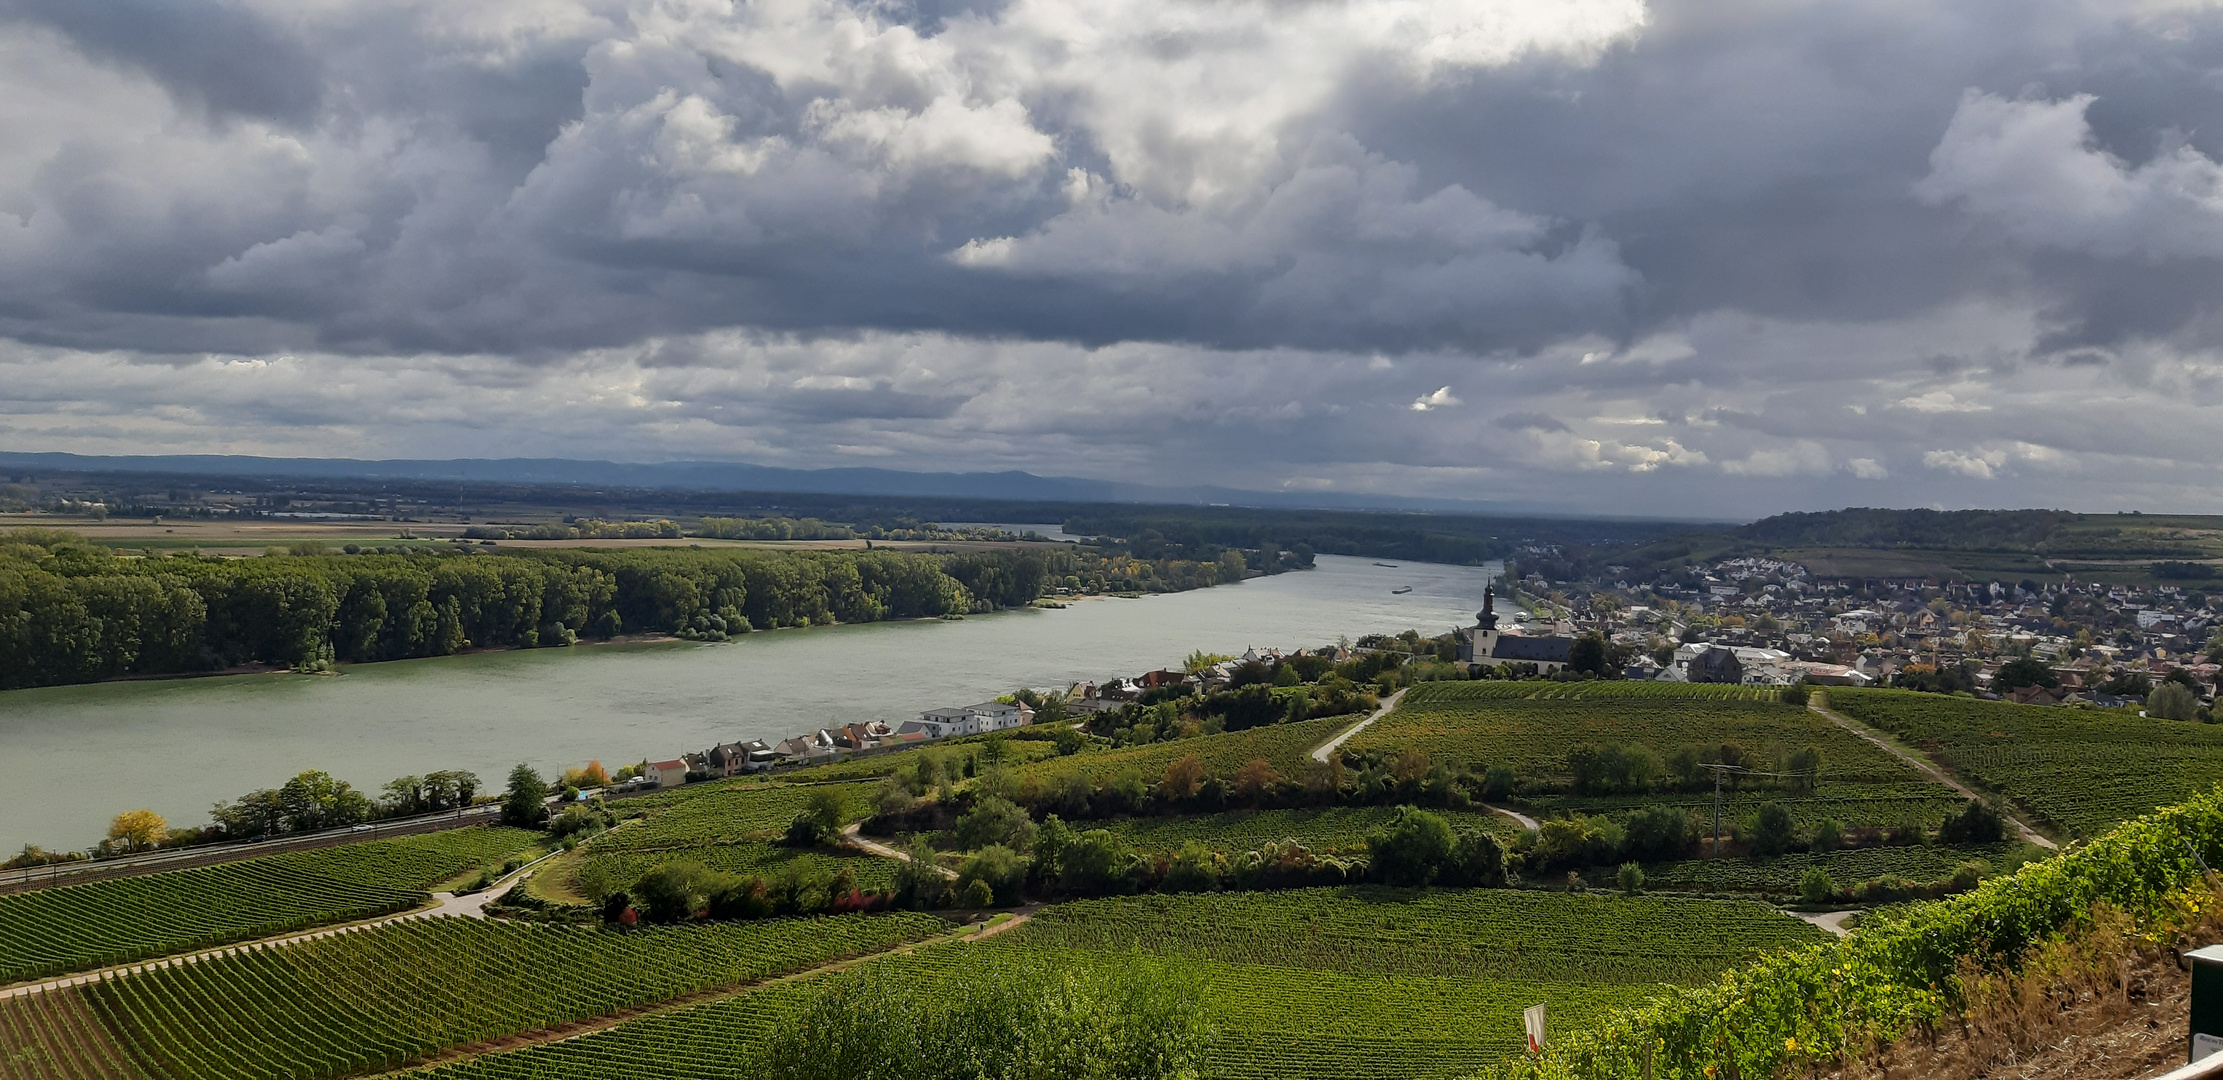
(76, 612)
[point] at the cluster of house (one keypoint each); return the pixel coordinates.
(1768, 621)
(828, 744)
(1093, 697)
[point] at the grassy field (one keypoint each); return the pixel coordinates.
(77, 927)
(1532, 727)
(2082, 771)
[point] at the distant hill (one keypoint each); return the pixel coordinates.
(740, 476)
(1864, 541)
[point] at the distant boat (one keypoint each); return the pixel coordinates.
(1401, 592)
(1391, 565)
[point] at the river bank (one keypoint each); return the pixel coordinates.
(178, 746)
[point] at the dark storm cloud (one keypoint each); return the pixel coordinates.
(208, 53)
(1692, 255)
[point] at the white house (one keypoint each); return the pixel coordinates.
(667, 773)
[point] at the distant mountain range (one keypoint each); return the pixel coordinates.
(740, 476)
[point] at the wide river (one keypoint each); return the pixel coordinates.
(77, 755)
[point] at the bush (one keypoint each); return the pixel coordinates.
(1659, 833)
(2173, 701)
(1977, 823)
(995, 821)
(1579, 841)
(1773, 833)
(1816, 887)
(1195, 868)
(1797, 694)
(1828, 836)
(1096, 862)
(1411, 849)
(1003, 870)
(674, 891)
(976, 894)
(1477, 859)
(743, 898)
(919, 882)
(1630, 878)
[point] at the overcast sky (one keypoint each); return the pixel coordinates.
(1699, 258)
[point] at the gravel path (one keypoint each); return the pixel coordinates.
(1928, 768)
(1320, 754)
(854, 837)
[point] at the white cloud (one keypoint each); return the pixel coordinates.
(1803, 456)
(1440, 399)
(1974, 464)
(1867, 469)
(2032, 169)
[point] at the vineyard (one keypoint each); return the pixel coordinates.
(1487, 690)
(1531, 728)
(873, 767)
(77, 927)
(717, 1035)
(2083, 771)
(1780, 876)
(1382, 983)
(728, 814)
(1285, 746)
(602, 873)
(379, 998)
(1333, 984)
(1323, 831)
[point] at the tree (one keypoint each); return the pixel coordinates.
(1412, 849)
(524, 805)
(137, 830)
(673, 892)
(2024, 671)
(2171, 701)
(1774, 833)
(1631, 879)
(1194, 868)
(1182, 778)
(1977, 823)
(1588, 654)
(994, 821)
(919, 881)
(1476, 859)
(1001, 869)
(1068, 740)
(1256, 779)
(313, 800)
(1817, 887)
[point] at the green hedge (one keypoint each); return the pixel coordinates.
(1818, 1003)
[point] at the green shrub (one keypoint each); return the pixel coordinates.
(1817, 887)
(1631, 879)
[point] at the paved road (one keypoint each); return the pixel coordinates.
(1928, 768)
(444, 906)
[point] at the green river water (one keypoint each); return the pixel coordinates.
(80, 754)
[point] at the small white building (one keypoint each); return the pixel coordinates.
(667, 773)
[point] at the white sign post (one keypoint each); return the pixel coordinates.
(1533, 1019)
